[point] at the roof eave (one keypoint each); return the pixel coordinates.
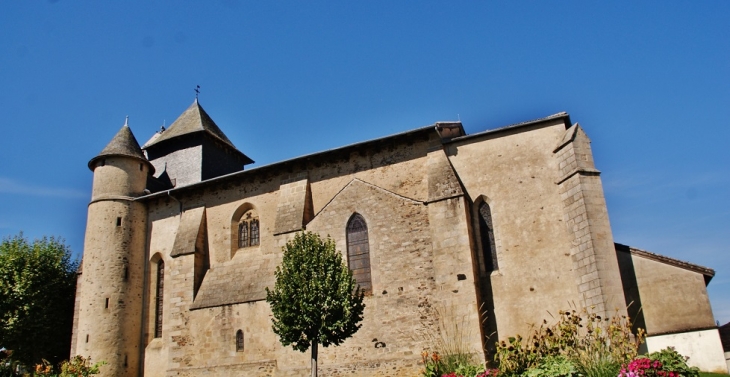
(157, 143)
(431, 128)
(92, 162)
(708, 273)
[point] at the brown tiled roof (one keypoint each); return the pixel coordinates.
(123, 144)
(192, 120)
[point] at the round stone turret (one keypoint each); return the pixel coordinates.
(121, 168)
(110, 288)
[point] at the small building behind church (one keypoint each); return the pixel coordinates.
(486, 233)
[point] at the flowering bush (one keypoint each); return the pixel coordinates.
(595, 346)
(645, 367)
(665, 363)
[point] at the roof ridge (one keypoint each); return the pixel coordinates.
(193, 119)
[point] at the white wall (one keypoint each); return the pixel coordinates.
(703, 348)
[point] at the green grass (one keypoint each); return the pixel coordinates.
(708, 374)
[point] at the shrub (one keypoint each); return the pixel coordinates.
(78, 366)
(595, 346)
(435, 366)
(553, 366)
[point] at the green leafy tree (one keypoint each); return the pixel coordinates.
(315, 299)
(37, 287)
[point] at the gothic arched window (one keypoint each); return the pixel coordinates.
(158, 298)
(358, 252)
(248, 230)
(243, 234)
(254, 232)
(239, 341)
(486, 234)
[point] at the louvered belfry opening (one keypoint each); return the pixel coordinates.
(159, 298)
(358, 252)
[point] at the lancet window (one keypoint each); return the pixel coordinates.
(159, 298)
(486, 233)
(358, 252)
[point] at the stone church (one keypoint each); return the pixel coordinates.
(474, 237)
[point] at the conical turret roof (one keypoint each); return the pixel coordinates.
(122, 144)
(193, 120)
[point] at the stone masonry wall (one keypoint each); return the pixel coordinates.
(407, 310)
(592, 250)
(686, 308)
(515, 173)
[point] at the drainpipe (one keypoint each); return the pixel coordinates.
(179, 202)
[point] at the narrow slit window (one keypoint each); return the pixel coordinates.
(358, 252)
(486, 233)
(239, 341)
(106, 303)
(119, 221)
(159, 298)
(87, 338)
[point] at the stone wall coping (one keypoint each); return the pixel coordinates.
(561, 115)
(584, 171)
(698, 329)
(707, 272)
(568, 137)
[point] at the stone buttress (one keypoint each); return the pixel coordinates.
(592, 250)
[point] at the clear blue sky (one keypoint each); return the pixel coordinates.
(649, 82)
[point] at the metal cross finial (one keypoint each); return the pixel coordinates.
(197, 91)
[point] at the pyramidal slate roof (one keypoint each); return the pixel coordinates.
(122, 144)
(193, 120)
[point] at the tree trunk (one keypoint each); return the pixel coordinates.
(314, 358)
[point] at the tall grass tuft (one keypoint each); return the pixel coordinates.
(450, 337)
